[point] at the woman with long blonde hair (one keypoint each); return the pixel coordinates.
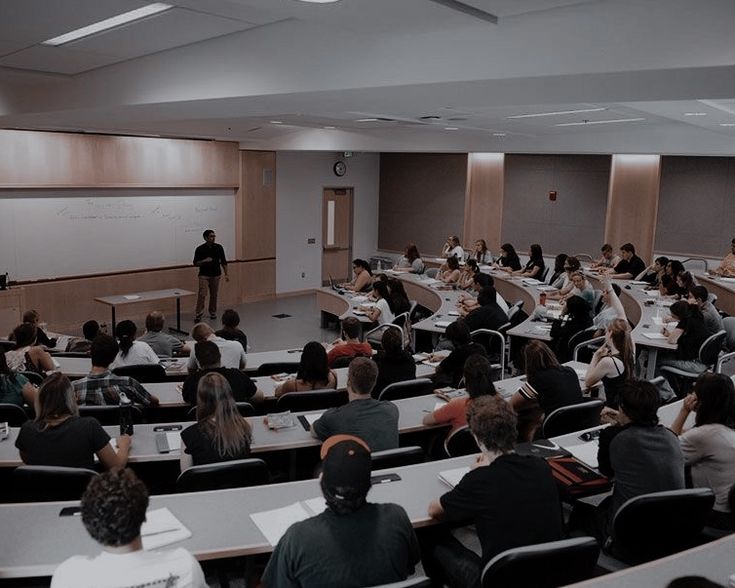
(612, 364)
(220, 433)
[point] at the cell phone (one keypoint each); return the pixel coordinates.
(70, 511)
(384, 478)
(4, 431)
(590, 435)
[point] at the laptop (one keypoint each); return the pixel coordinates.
(334, 286)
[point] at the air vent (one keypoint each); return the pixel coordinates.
(430, 117)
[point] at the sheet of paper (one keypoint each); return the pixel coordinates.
(452, 477)
(174, 440)
(442, 324)
(131, 297)
(274, 523)
(438, 405)
(585, 452)
(312, 417)
(656, 336)
(161, 528)
(316, 505)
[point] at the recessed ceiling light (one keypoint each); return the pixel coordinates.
(329, 127)
(275, 122)
(109, 23)
(598, 122)
(557, 113)
(451, 128)
(319, 1)
(367, 120)
(498, 134)
(695, 114)
(727, 124)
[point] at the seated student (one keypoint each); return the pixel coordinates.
(452, 248)
(709, 446)
(511, 499)
(685, 282)
(132, 352)
(27, 355)
(608, 259)
(556, 279)
(467, 302)
(353, 543)
(481, 254)
(374, 421)
(611, 309)
(613, 363)
(478, 381)
(536, 265)
(15, 388)
(383, 311)
(113, 511)
(208, 357)
(60, 437)
(411, 261)
(467, 274)
(90, 329)
(508, 259)
(669, 284)
(220, 433)
(313, 372)
(398, 296)
(449, 371)
(162, 343)
(727, 265)
(548, 386)
(582, 288)
(699, 297)
(575, 318)
(395, 364)
(101, 386)
(230, 330)
(452, 273)
(33, 317)
(363, 277)
(571, 266)
(488, 315)
(654, 272)
(349, 345)
(629, 266)
(233, 355)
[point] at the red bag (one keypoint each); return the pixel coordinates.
(575, 478)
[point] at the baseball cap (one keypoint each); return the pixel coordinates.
(346, 463)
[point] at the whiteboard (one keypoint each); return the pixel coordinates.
(52, 234)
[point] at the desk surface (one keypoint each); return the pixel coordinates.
(143, 296)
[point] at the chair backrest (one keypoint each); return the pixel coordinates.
(574, 417)
(587, 345)
(407, 389)
(545, 565)
(240, 473)
(395, 458)
(460, 442)
(69, 353)
(12, 414)
(580, 337)
(432, 272)
(584, 257)
(494, 344)
(343, 362)
(729, 325)
(726, 364)
(109, 414)
(6, 345)
(277, 367)
(412, 310)
(731, 500)
(545, 274)
(417, 582)
(655, 525)
(693, 263)
(244, 408)
(710, 349)
(49, 483)
(33, 377)
(144, 373)
(311, 400)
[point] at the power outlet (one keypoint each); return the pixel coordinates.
(303, 274)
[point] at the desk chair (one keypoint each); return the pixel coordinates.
(545, 565)
(401, 321)
(244, 408)
(432, 272)
(586, 347)
(580, 337)
(396, 458)
(6, 345)
(50, 483)
(277, 367)
(109, 414)
(584, 257)
(574, 417)
(494, 344)
(460, 442)
(239, 473)
(709, 353)
(12, 414)
(311, 400)
(728, 323)
(726, 364)
(143, 373)
(407, 389)
(417, 582)
(33, 377)
(691, 264)
(68, 353)
(544, 275)
(655, 525)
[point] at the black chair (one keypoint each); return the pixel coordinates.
(417, 582)
(407, 389)
(574, 417)
(578, 338)
(709, 353)
(49, 483)
(6, 345)
(12, 414)
(69, 353)
(311, 400)
(277, 367)
(143, 373)
(402, 322)
(343, 362)
(587, 349)
(655, 525)
(726, 364)
(240, 473)
(545, 565)
(460, 442)
(244, 408)
(494, 344)
(33, 377)
(109, 414)
(396, 458)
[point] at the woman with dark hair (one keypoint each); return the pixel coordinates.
(575, 318)
(230, 328)
(449, 371)
(395, 364)
(548, 386)
(132, 352)
(220, 433)
(384, 311)
(60, 437)
(482, 255)
(313, 372)
(709, 447)
(684, 282)
(452, 273)
(564, 282)
(411, 261)
(536, 265)
(363, 277)
(398, 296)
(14, 388)
(557, 274)
(27, 355)
(613, 363)
(668, 285)
(468, 273)
(508, 259)
(653, 273)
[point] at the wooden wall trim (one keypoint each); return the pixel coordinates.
(255, 225)
(483, 211)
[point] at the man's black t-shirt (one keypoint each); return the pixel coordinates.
(216, 252)
(243, 388)
(490, 316)
(632, 266)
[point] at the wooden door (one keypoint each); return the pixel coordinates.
(336, 234)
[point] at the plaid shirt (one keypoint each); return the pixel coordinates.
(105, 388)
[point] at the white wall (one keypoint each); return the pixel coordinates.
(300, 180)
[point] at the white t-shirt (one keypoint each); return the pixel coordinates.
(139, 353)
(233, 355)
(175, 568)
(457, 252)
(386, 316)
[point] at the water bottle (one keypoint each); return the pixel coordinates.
(126, 414)
(542, 299)
(380, 265)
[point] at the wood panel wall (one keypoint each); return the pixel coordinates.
(483, 212)
(256, 215)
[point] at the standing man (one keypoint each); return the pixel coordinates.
(208, 257)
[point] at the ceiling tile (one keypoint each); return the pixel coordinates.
(56, 60)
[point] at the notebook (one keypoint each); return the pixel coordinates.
(161, 528)
(168, 442)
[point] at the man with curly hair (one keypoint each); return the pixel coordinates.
(113, 510)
